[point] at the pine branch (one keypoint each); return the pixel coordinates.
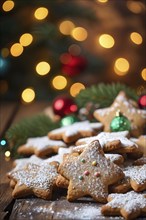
(103, 94)
(35, 126)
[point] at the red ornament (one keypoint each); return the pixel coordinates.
(142, 101)
(63, 105)
(73, 65)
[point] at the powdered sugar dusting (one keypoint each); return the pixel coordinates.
(36, 176)
(42, 143)
(129, 201)
(105, 137)
(77, 127)
(136, 173)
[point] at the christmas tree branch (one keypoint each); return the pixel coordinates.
(36, 126)
(103, 94)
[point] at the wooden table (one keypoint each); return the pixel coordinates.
(31, 207)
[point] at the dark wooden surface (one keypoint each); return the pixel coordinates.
(31, 207)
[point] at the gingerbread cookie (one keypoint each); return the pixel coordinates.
(115, 158)
(90, 173)
(75, 131)
(40, 146)
(135, 178)
(129, 205)
(140, 161)
(121, 186)
(110, 142)
(141, 142)
(21, 163)
(136, 116)
(38, 180)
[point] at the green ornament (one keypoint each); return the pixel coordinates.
(68, 120)
(120, 123)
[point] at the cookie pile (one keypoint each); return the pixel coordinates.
(108, 166)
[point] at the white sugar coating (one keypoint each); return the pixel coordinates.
(77, 127)
(41, 143)
(105, 137)
(129, 201)
(35, 176)
(84, 212)
(59, 156)
(133, 139)
(113, 157)
(136, 173)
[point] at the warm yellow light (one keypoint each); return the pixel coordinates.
(136, 38)
(59, 82)
(5, 52)
(8, 5)
(66, 27)
(143, 74)
(76, 88)
(79, 34)
(16, 50)
(7, 153)
(121, 66)
(135, 7)
(43, 68)
(41, 13)
(28, 95)
(106, 41)
(26, 39)
(102, 1)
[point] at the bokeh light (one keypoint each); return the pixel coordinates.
(28, 95)
(106, 41)
(16, 50)
(102, 1)
(7, 153)
(59, 82)
(3, 142)
(74, 50)
(143, 74)
(121, 66)
(41, 13)
(66, 27)
(76, 88)
(43, 68)
(26, 39)
(4, 52)
(135, 6)
(136, 38)
(8, 6)
(79, 34)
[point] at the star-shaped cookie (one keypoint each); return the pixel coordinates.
(110, 142)
(38, 180)
(41, 146)
(137, 117)
(129, 205)
(90, 173)
(75, 131)
(135, 178)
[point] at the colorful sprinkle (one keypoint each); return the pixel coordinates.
(97, 174)
(83, 160)
(86, 172)
(80, 177)
(94, 163)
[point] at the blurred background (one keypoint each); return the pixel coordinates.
(53, 47)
